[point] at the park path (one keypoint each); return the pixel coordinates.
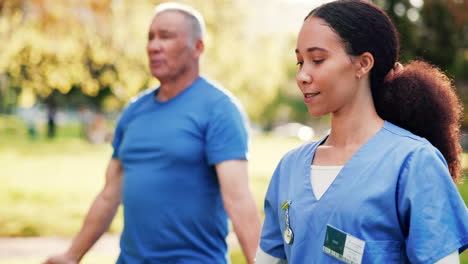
(41, 247)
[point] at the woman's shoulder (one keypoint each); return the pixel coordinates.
(403, 137)
(405, 141)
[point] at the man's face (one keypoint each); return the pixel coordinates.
(171, 46)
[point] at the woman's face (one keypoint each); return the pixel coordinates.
(326, 74)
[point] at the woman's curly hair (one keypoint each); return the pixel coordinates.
(422, 100)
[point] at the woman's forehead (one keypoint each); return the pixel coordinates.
(315, 32)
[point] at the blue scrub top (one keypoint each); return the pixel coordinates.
(395, 193)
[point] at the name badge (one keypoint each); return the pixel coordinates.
(343, 246)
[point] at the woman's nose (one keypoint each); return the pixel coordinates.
(303, 77)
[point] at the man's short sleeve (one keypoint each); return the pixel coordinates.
(433, 216)
(226, 135)
(120, 128)
(117, 138)
(271, 240)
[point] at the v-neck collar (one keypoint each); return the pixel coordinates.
(299, 190)
(345, 173)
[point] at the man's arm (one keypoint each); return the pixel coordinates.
(240, 205)
(98, 219)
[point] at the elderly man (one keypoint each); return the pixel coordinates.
(179, 162)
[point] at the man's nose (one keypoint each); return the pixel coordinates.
(154, 45)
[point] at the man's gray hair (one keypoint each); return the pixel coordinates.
(196, 20)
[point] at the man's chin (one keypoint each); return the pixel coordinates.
(158, 74)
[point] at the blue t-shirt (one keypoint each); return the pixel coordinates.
(173, 211)
(395, 194)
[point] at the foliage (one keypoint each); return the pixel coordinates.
(97, 48)
(437, 33)
(94, 52)
(428, 29)
(69, 44)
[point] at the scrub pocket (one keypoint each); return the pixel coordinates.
(388, 252)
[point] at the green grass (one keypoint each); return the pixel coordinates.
(46, 186)
(265, 153)
(60, 178)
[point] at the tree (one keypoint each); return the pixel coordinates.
(97, 46)
(70, 44)
(438, 34)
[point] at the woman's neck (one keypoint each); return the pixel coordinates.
(355, 124)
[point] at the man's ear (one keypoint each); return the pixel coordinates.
(364, 64)
(199, 47)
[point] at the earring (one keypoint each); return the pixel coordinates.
(359, 77)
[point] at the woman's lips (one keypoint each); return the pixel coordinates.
(309, 96)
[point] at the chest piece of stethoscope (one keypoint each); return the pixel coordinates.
(288, 234)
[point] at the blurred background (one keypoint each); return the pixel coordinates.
(68, 68)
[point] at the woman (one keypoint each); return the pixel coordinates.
(380, 187)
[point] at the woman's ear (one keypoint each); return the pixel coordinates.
(364, 64)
